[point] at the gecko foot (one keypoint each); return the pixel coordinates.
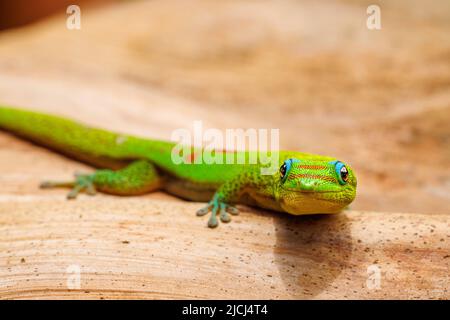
(83, 182)
(217, 206)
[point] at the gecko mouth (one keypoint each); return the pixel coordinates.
(312, 191)
(337, 196)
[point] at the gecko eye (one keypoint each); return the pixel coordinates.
(342, 172)
(283, 170)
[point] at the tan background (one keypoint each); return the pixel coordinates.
(378, 100)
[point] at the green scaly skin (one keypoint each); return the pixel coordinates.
(127, 165)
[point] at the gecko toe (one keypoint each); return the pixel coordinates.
(46, 185)
(203, 211)
(232, 210)
(212, 222)
(224, 216)
(90, 190)
(74, 192)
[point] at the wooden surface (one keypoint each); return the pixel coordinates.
(145, 248)
(136, 80)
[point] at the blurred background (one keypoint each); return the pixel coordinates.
(377, 99)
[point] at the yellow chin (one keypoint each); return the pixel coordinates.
(296, 205)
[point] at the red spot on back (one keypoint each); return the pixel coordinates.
(190, 158)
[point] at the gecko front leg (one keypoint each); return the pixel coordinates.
(222, 202)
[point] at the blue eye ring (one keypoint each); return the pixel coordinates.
(286, 167)
(341, 172)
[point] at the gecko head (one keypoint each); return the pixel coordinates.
(315, 186)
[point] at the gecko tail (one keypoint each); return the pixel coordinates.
(98, 147)
(93, 146)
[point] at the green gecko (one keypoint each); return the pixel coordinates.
(127, 165)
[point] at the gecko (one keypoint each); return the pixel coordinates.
(126, 165)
